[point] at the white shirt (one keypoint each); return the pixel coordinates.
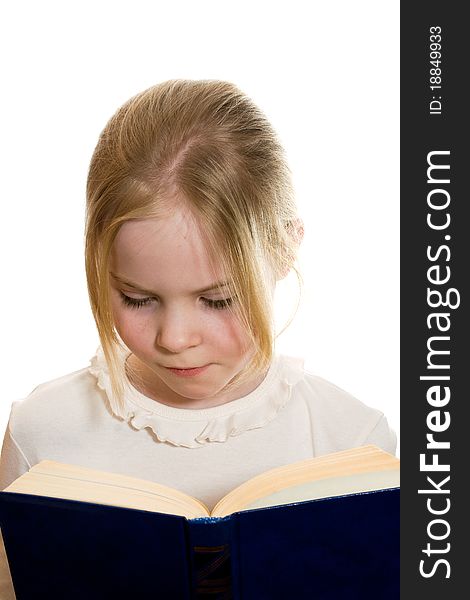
(292, 415)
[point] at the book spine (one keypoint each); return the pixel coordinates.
(210, 549)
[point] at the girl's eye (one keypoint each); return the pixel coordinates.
(135, 302)
(217, 304)
(139, 302)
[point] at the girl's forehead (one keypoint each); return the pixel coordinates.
(171, 246)
(139, 233)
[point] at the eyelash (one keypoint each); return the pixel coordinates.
(138, 303)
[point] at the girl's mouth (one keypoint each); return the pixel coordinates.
(188, 372)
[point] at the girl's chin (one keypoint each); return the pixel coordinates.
(191, 395)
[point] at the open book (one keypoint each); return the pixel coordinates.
(328, 524)
(358, 470)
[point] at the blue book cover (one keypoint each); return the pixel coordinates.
(326, 549)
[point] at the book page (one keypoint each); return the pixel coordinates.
(365, 459)
(325, 488)
(58, 480)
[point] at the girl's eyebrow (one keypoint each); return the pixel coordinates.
(214, 286)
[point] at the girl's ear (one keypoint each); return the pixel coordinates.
(295, 229)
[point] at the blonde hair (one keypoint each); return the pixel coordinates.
(206, 145)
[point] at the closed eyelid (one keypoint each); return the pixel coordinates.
(216, 297)
(217, 304)
(216, 287)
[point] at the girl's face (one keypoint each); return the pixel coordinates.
(186, 346)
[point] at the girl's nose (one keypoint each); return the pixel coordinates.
(177, 330)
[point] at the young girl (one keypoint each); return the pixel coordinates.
(190, 223)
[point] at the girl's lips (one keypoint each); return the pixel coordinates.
(188, 372)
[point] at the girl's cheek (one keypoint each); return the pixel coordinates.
(136, 338)
(234, 332)
(222, 322)
(130, 326)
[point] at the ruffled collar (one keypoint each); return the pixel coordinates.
(193, 428)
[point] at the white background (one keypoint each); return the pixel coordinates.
(326, 75)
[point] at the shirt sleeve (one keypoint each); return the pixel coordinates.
(6, 585)
(383, 436)
(13, 463)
